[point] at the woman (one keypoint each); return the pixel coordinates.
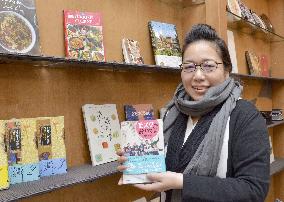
(217, 144)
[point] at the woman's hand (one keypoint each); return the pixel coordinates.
(121, 159)
(163, 182)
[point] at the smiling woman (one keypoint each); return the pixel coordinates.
(217, 144)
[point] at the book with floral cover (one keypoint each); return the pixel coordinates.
(83, 35)
(131, 51)
(139, 112)
(103, 132)
(143, 145)
(165, 44)
(19, 31)
(50, 138)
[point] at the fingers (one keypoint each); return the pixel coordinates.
(156, 186)
(121, 168)
(120, 152)
(155, 177)
(121, 159)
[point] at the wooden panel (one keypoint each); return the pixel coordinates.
(270, 195)
(33, 91)
(192, 15)
(121, 18)
(215, 13)
(278, 186)
(105, 189)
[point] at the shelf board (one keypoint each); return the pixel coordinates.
(277, 166)
(238, 23)
(275, 123)
(74, 175)
(57, 62)
(256, 77)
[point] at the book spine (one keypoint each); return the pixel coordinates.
(65, 15)
(88, 135)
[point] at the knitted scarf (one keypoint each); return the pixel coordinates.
(205, 160)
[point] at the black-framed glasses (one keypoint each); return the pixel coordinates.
(206, 66)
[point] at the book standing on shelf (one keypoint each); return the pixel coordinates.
(143, 145)
(131, 51)
(19, 135)
(234, 7)
(4, 179)
(19, 29)
(264, 65)
(272, 159)
(139, 112)
(232, 51)
(83, 35)
(253, 63)
(165, 44)
(50, 138)
(103, 132)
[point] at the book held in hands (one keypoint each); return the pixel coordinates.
(143, 145)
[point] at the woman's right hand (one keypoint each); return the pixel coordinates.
(121, 159)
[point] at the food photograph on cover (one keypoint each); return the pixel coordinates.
(19, 31)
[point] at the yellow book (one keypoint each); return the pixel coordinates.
(51, 146)
(20, 143)
(4, 179)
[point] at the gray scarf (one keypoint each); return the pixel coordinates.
(206, 158)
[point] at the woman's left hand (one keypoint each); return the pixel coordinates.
(163, 182)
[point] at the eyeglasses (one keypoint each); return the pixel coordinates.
(206, 66)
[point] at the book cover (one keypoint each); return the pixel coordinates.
(253, 63)
(19, 135)
(264, 65)
(4, 179)
(131, 51)
(19, 29)
(267, 22)
(258, 21)
(165, 44)
(103, 132)
(143, 145)
(246, 13)
(271, 150)
(50, 138)
(232, 51)
(234, 7)
(139, 112)
(83, 35)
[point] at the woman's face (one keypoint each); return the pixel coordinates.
(198, 82)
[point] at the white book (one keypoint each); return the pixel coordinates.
(232, 51)
(271, 151)
(103, 132)
(143, 145)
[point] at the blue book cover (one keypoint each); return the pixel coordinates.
(139, 112)
(143, 144)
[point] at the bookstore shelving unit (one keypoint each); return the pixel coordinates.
(50, 85)
(250, 37)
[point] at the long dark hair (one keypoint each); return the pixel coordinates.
(207, 33)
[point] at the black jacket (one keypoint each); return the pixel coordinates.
(247, 178)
